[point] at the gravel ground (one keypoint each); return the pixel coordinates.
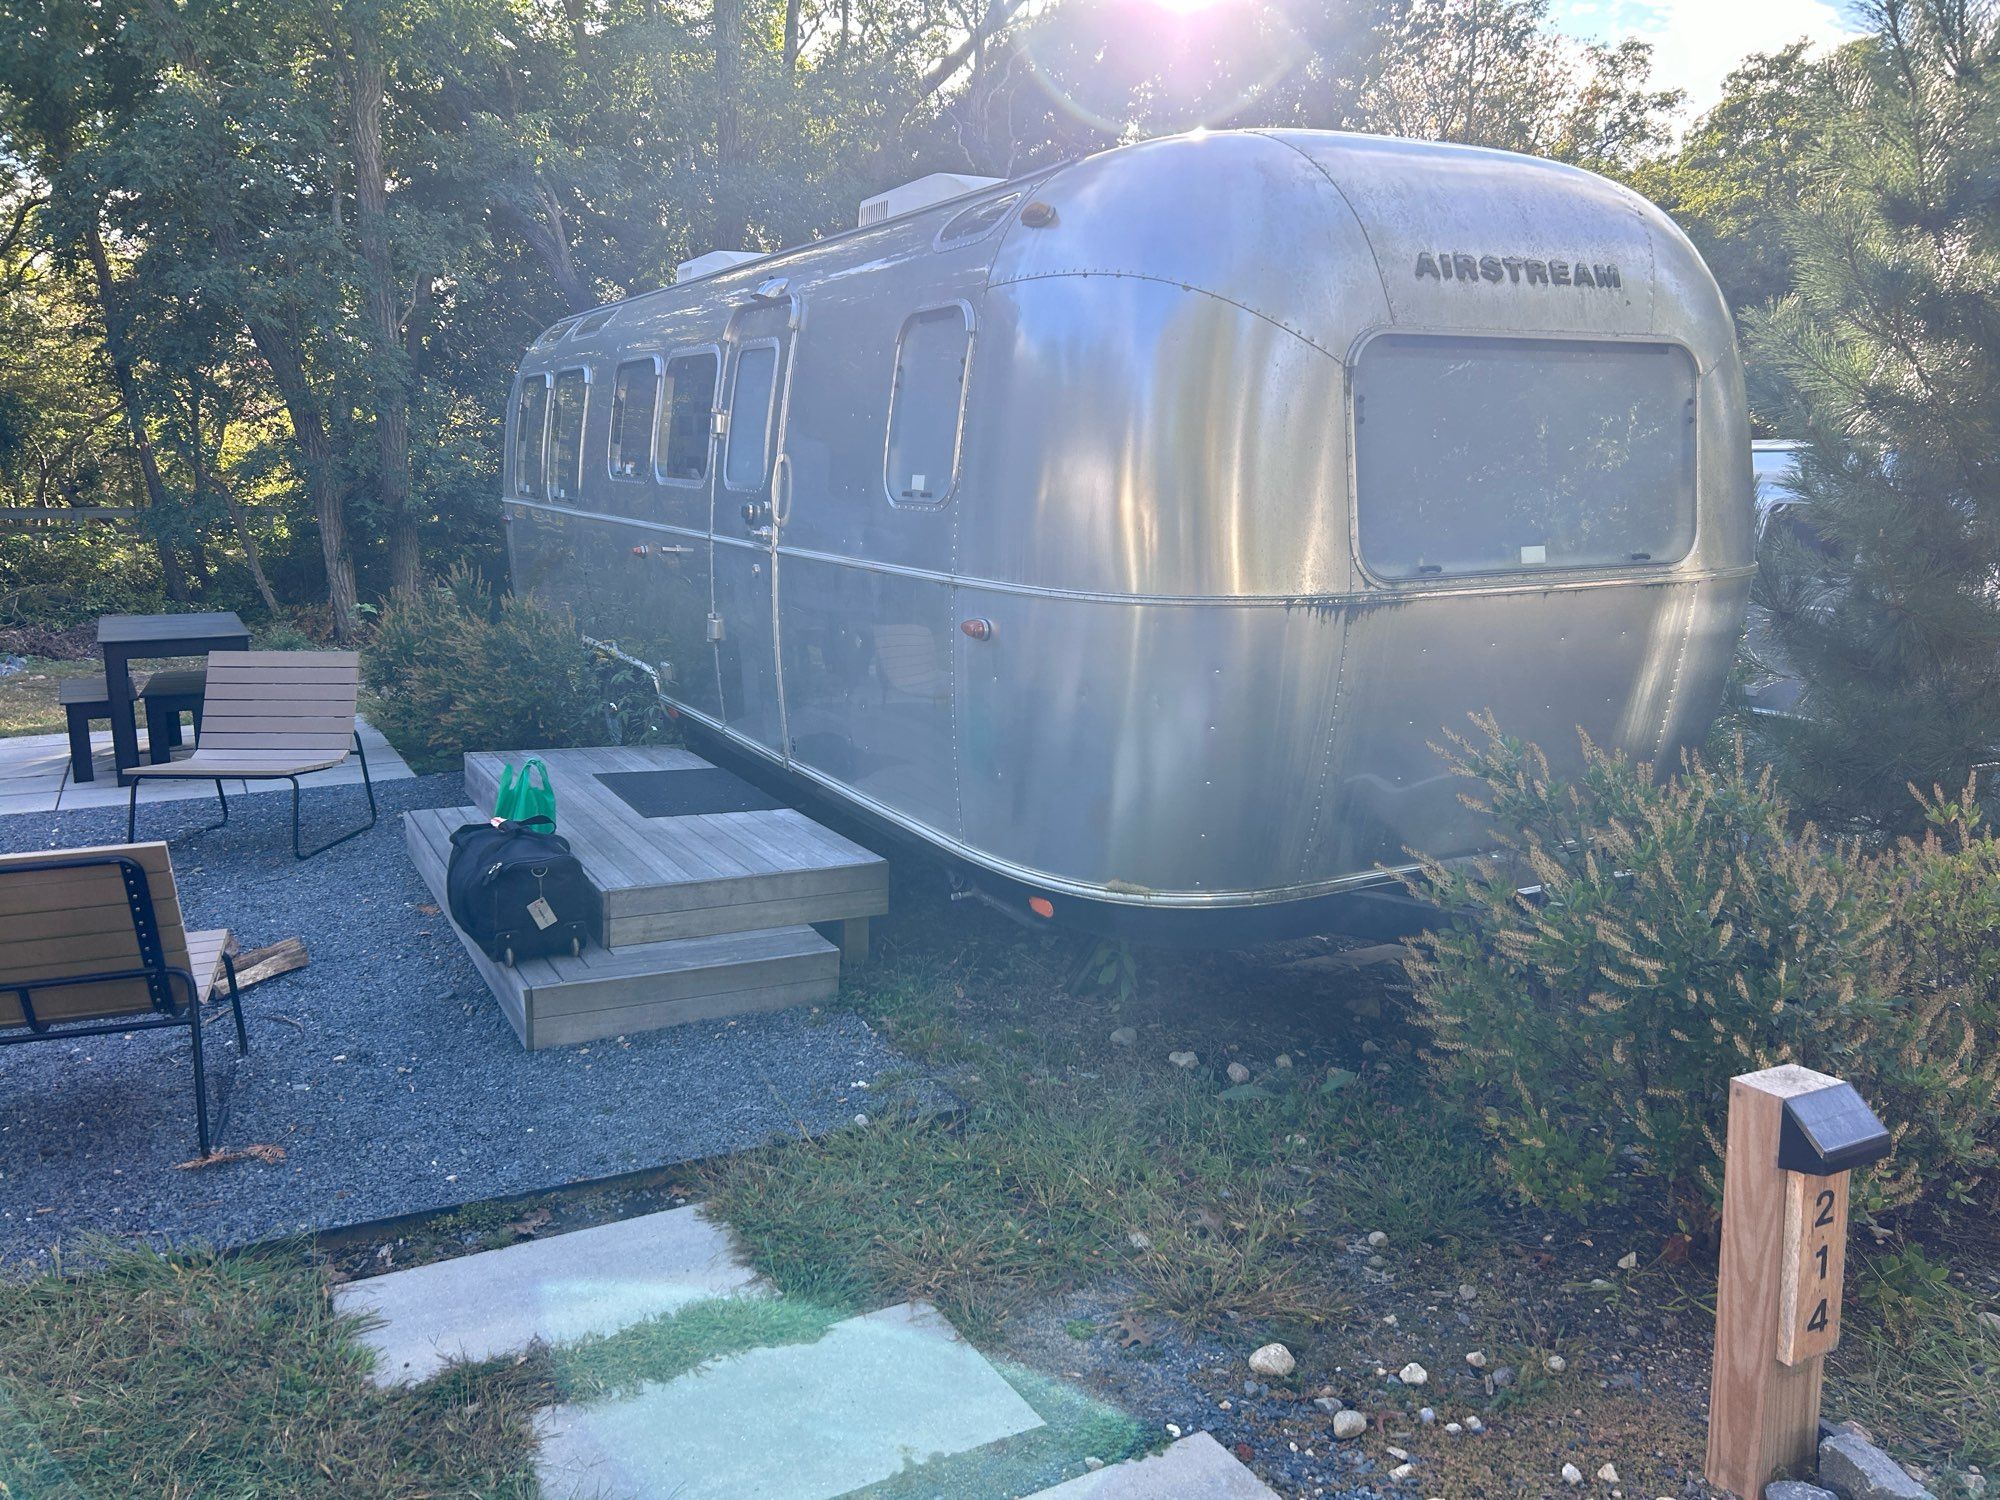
(384, 1070)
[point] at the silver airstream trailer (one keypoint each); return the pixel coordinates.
(1128, 532)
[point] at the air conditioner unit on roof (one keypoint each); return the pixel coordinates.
(714, 261)
(939, 187)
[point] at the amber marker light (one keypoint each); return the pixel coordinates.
(1041, 906)
(978, 629)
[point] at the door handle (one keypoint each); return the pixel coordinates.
(781, 489)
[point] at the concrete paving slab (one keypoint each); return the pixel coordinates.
(802, 1422)
(595, 1280)
(1195, 1465)
(34, 774)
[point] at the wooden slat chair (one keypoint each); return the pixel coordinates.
(92, 944)
(268, 715)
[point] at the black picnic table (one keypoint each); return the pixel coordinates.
(127, 638)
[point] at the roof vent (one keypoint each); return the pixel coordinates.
(939, 187)
(714, 261)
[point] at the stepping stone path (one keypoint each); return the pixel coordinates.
(871, 1397)
(596, 1280)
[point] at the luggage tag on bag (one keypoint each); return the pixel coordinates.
(543, 913)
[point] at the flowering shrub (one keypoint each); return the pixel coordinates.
(1633, 943)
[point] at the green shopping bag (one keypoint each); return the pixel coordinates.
(526, 793)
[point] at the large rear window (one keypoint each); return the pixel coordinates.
(1489, 455)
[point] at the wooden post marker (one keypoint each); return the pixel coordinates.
(1794, 1135)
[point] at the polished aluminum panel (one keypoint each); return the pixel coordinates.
(1192, 692)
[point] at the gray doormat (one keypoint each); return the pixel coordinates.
(686, 794)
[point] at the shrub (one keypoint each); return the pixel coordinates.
(454, 669)
(1684, 931)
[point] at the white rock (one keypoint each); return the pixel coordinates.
(1377, 1239)
(1282, 1060)
(1473, 1424)
(1413, 1374)
(1390, 1319)
(1092, 1462)
(1138, 1239)
(861, 1119)
(1609, 1473)
(1571, 1474)
(1402, 1471)
(1349, 1424)
(1238, 1073)
(1476, 1358)
(1401, 1455)
(1629, 1261)
(1125, 1036)
(1453, 1428)
(1467, 1292)
(1182, 1059)
(1555, 1364)
(1173, 1429)
(1273, 1362)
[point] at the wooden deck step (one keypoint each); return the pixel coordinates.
(553, 1002)
(688, 876)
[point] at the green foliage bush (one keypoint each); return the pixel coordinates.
(1685, 931)
(455, 669)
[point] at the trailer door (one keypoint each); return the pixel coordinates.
(750, 495)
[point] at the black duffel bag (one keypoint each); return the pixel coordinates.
(517, 891)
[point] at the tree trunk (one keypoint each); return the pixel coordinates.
(316, 456)
(791, 37)
(549, 241)
(111, 307)
(388, 373)
(206, 479)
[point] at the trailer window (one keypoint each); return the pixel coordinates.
(566, 434)
(689, 403)
(531, 421)
(1489, 455)
(635, 394)
(926, 407)
(746, 456)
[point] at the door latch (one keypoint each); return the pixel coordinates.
(715, 627)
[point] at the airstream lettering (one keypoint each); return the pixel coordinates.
(1455, 266)
(1131, 531)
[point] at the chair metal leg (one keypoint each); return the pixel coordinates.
(236, 1006)
(367, 784)
(200, 1076)
(132, 812)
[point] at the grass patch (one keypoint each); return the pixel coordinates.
(1213, 1204)
(28, 698)
(1919, 1368)
(201, 1374)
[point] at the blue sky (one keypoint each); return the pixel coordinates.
(1696, 42)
